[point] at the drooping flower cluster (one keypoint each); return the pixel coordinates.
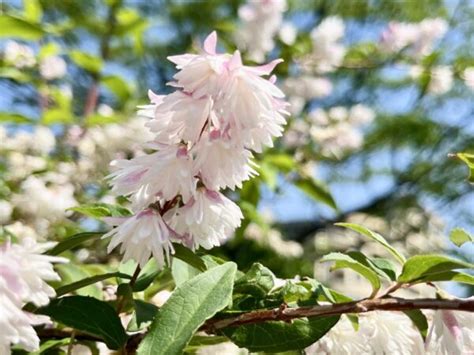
(23, 272)
(205, 133)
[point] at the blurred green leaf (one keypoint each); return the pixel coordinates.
(57, 115)
(88, 62)
(375, 237)
(73, 241)
(87, 281)
(72, 273)
(99, 210)
(33, 10)
(459, 236)
(316, 190)
(257, 281)
(14, 74)
(118, 86)
(188, 307)
(469, 160)
(89, 315)
(7, 117)
(427, 267)
(186, 255)
(14, 27)
(49, 49)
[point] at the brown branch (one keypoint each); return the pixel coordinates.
(366, 305)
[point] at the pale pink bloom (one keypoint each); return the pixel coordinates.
(165, 174)
(53, 67)
(451, 332)
(221, 162)
(23, 272)
(141, 236)
(207, 220)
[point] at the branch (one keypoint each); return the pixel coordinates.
(363, 306)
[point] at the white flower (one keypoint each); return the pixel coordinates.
(338, 113)
(451, 332)
(441, 80)
(379, 333)
(141, 236)
(165, 174)
(21, 231)
(207, 220)
(398, 35)
(222, 163)
(468, 76)
(21, 56)
(288, 33)
(261, 21)
(105, 110)
(23, 272)
(43, 140)
(6, 210)
(361, 114)
(308, 87)
(53, 67)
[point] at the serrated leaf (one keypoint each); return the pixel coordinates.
(188, 308)
(426, 267)
(316, 190)
(89, 315)
(86, 61)
(88, 281)
(99, 210)
(375, 237)
(73, 241)
(343, 261)
(186, 255)
(257, 281)
(459, 236)
(419, 321)
(15, 27)
(277, 336)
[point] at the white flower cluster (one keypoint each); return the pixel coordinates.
(440, 78)
(335, 131)
(204, 134)
(328, 51)
(417, 38)
(261, 21)
(24, 271)
(22, 56)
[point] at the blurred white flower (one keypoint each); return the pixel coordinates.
(288, 33)
(440, 78)
(307, 87)
(361, 114)
(261, 21)
(21, 56)
(53, 67)
(468, 76)
(105, 110)
(6, 210)
(43, 140)
(21, 231)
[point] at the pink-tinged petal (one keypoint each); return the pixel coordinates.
(235, 62)
(210, 43)
(265, 69)
(273, 79)
(181, 59)
(114, 221)
(452, 324)
(154, 98)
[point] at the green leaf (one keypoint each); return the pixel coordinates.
(375, 237)
(369, 262)
(88, 281)
(89, 315)
(469, 160)
(33, 10)
(188, 308)
(419, 321)
(283, 162)
(14, 27)
(118, 86)
(343, 261)
(144, 314)
(71, 273)
(51, 344)
(88, 62)
(276, 336)
(21, 77)
(99, 210)
(57, 115)
(257, 281)
(386, 266)
(316, 190)
(459, 236)
(186, 255)
(449, 276)
(182, 271)
(49, 49)
(73, 241)
(9, 117)
(428, 266)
